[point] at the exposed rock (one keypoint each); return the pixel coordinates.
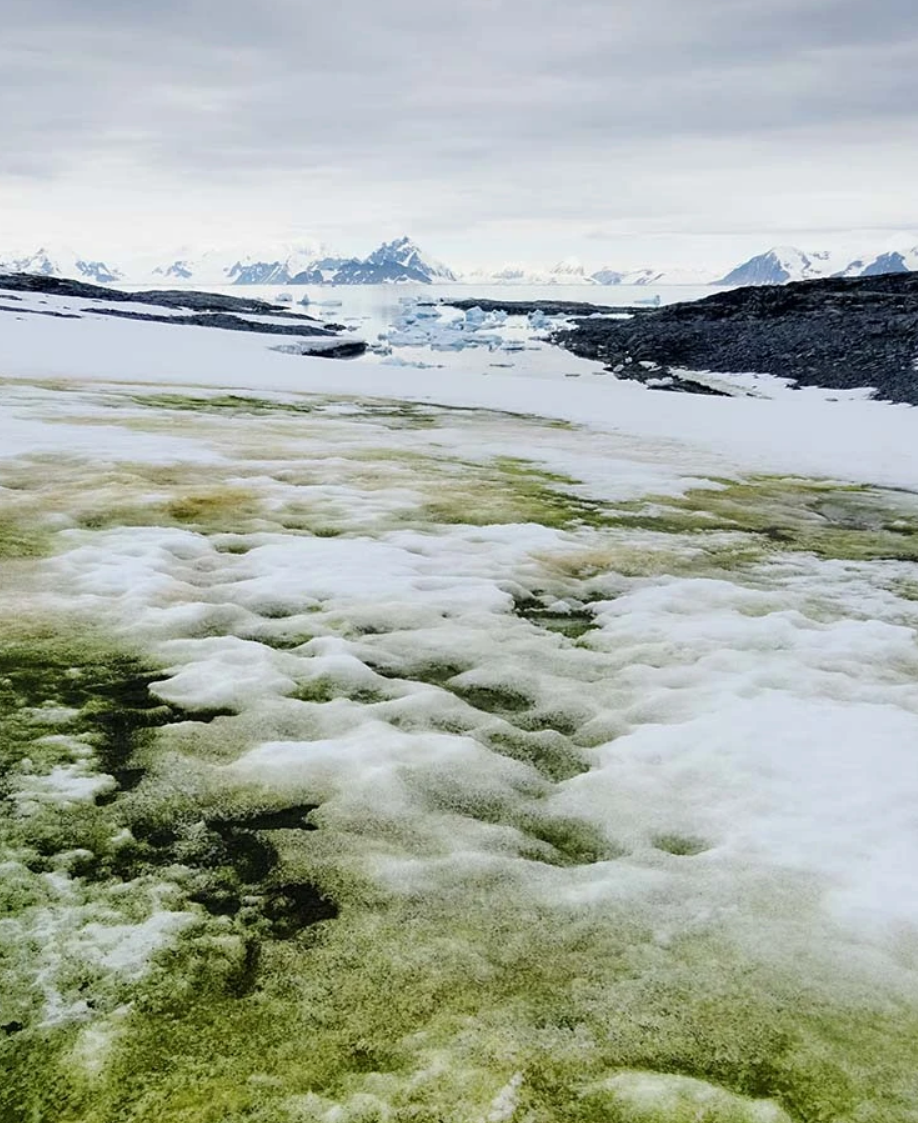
(549, 307)
(224, 320)
(836, 333)
(198, 309)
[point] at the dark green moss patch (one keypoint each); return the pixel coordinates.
(22, 538)
(548, 752)
(573, 623)
(571, 842)
(223, 404)
(493, 699)
(323, 690)
(682, 846)
(434, 673)
(831, 520)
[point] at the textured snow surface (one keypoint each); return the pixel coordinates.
(548, 667)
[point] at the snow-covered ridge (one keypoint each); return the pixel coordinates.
(61, 262)
(783, 264)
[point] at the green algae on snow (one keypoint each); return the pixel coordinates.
(832, 520)
(427, 1009)
(302, 987)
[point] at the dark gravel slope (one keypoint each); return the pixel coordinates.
(839, 334)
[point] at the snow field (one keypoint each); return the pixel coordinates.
(595, 758)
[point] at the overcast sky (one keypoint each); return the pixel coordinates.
(626, 132)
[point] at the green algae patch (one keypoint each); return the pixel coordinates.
(307, 982)
(830, 520)
(22, 538)
(224, 404)
(508, 491)
(432, 1010)
(549, 752)
(567, 841)
(209, 510)
(91, 870)
(572, 623)
(680, 846)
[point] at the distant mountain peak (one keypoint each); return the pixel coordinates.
(777, 266)
(49, 261)
(783, 264)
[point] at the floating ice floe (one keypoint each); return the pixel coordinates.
(423, 325)
(398, 361)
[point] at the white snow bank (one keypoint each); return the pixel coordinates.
(860, 440)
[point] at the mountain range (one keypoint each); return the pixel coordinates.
(395, 262)
(402, 261)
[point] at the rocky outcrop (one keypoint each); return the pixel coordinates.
(186, 308)
(836, 333)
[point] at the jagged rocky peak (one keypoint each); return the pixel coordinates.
(178, 270)
(404, 253)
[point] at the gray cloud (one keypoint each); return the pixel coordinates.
(455, 114)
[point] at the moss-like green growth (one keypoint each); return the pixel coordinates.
(681, 846)
(21, 538)
(217, 509)
(427, 1010)
(72, 704)
(548, 751)
(828, 519)
(508, 490)
(572, 623)
(492, 699)
(370, 970)
(567, 841)
(324, 689)
(224, 404)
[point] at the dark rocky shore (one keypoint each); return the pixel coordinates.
(549, 307)
(198, 309)
(840, 334)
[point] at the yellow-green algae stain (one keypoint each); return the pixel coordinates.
(424, 1010)
(301, 986)
(416, 1007)
(832, 520)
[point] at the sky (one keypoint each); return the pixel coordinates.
(624, 132)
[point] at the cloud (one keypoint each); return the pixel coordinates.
(448, 116)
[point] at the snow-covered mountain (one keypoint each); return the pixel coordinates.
(60, 262)
(393, 262)
(905, 261)
(644, 277)
(235, 265)
(401, 260)
(782, 264)
(570, 271)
